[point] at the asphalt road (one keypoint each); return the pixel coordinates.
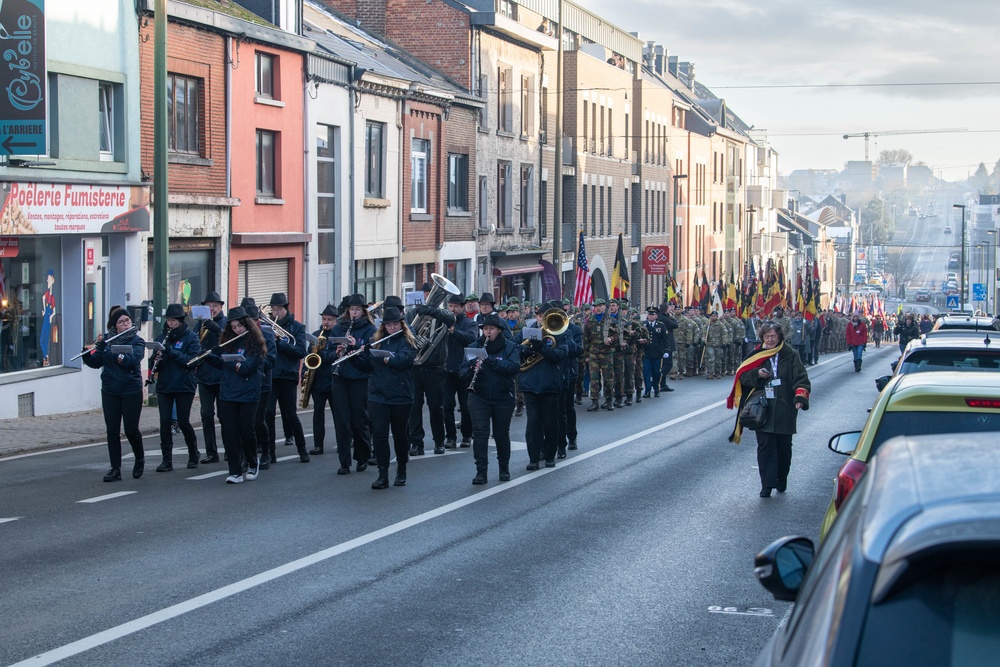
(636, 550)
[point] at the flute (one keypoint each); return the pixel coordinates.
(205, 354)
(91, 350)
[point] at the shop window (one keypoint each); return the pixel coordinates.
(457, 271)
(184, 114)
(326, 193)
(374, 151)
(420, 153)
(30, 303)
(266, 164)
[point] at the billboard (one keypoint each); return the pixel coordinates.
(655, 259)
(68, 208)
(22, 101)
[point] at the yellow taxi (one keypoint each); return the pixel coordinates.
(915, 404)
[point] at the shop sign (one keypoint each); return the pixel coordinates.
(655, 259)
(67, 208)
(22, 81)
(8, 246)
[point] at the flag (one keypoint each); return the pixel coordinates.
(812, 306)
(732, 295)
(582, 294)
(800, 300)
(704, 288)
(695, 292)
(670, 292)
(619, 275)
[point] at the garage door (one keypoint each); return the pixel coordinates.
(259, 279)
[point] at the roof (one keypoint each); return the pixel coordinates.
(966, 322)
(229, 8)
(956, 338)
(945, 381)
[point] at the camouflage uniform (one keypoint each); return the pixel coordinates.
(682, 336)
(715, 348)
(702, 322)
(727, 322)
(641, 340)
(600, 358)
(739, 337)
(786, 324)
(618, 359)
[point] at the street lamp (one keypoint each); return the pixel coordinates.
(992, 278)
(961, 271)
(673, 249)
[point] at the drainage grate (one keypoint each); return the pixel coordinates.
(26, 405)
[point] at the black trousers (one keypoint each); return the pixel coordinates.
(386, 418)
(454, 386)
(284, 395)
(118, 411)
(774, 459)
(568, 422)
(542, 429)
(484, 414)
(209, 395)
(238, 434)
(166, 403)
(320, 401)
(351, 419)
(428, 384)
(260, 424)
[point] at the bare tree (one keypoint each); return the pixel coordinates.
(901, 265)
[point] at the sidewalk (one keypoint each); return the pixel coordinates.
(32, 434)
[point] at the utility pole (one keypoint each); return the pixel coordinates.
(961, 271)
(161, 224)
(557, 190)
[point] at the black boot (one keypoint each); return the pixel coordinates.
(859, 364)
(400, 475)
(303, 455)
(193, 456)
(628, 399)
(607, 404)
(504, 475)
(618, 401)
(480, 477)
(383, 478)
(274, 457)
(167, 465)
(316, 451)
(264, 460)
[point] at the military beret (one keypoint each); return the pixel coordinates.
(472, 297)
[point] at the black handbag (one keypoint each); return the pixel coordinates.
(753, 415)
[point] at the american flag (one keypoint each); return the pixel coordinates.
(583, 293)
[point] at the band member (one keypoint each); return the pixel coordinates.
(349, 389)
(239, 391)
(491, 396)
(428, 384)
(322, 376)
(121, 389)
(567, 405)
(175, 385)
(487, 305)
(209, 377)
(390, 393)
(460, 336)
(264, 441)
(541, 385)
(285, 376)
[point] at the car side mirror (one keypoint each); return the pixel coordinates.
(844, 443)
(881, 382)
(781, 567)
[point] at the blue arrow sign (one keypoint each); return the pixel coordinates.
(951, 301)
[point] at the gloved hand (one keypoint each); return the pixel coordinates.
(536, 345)
(422, 309)
(212, 326)
(101, 345)
(490, 362)
(217, 350)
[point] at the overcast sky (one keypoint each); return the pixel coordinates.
(784, 42)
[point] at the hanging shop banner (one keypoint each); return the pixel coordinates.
(551, 288)
(67, 208)
(22, 81)
(655, 259)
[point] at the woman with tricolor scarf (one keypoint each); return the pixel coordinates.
(774, 369)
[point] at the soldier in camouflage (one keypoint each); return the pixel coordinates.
(726, 320)
(618, 352)
(739, 337)
(715, 347)
(641, 337)
(601, 336)
(683, 335)
(580, 319)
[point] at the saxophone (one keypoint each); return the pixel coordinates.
(312, 363)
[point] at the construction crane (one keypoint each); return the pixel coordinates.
(888, 133)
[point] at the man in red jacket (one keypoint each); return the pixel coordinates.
(857, 339)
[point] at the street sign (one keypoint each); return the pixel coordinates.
(22, 108)
(951, 301)
(979, 291)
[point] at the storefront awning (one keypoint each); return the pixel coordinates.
(510, 264)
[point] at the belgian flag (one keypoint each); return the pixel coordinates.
(619, 275)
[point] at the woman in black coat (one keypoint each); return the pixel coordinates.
(907, 330)
(121, 389)
(775, 370)
(175, 385)
(390, 393)
(491, 395)
(239, 391)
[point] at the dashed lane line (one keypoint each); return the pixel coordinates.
(107, 497)
(9, 519)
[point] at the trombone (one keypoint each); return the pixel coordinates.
(265, 314)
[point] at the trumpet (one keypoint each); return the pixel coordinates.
(91, 350)
(265, 314)
(205, 354)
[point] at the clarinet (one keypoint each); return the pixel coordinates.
(475, 373)
(350, 328)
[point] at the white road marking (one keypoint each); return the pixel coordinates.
(13, 518)
(749, 611)
(107, 497)
(181, 608)
(210, 475)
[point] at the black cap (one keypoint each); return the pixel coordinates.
(236, 313)
(487, 298)
(392, 301)
(493, 320)
(456, 298)
(115, 314)
(279, 299)
(248, 301)
(356, 300)
(212, 297)
(175, 311)
(391, 314)
(653, 309)
(329, 311)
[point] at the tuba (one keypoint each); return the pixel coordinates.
(426, 329)
(311, 362)
(555, 321)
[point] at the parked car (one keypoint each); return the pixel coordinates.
(922, 294)
(911, 404)
(953, 262)
(947, 350)
(947, 229)
(908, 575)
(965, 322)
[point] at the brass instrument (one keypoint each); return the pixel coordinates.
(91, 350)
(208, 352)
(312, 362)
(555, 322)
(265, 314)
(429, 332)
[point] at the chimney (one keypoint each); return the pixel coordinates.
(660, 56)
(672, 65)
(686, 70)
(369, 14)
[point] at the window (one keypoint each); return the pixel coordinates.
(266, 164)
(484, 190)
(584, 207)
(543, 131)
(374, 150)
(457, 271)
(183, 114)
(370, 279)
(504, 195)
(628, 131)
(31, 301)
(646, 210)
(458, 182)
(601, 145)
(106, 110)
(586, 125)
(484, 113)
(326, 193)
(600, 210)
(420, 153)
(594, 211)
(265, 75)
(527, 105)
(610, 133)
(527, 197)
(593, 128)
(505, 101)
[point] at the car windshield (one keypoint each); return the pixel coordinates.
(946, 612)
(951, 360)
(933, 423)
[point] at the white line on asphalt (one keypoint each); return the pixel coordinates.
(187, 606)
(13, 518)
(211, 474)
(107, 497)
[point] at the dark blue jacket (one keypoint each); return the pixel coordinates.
(173, 375)
(574, 348)
(243, 385)
(269, 359)
(362, 331)
(545, 377)
(465, 333)
(658, 345)
(290, 352)
(323, 376)
(495, 381)
(208, 337)
(119, 377)
(389, 383)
